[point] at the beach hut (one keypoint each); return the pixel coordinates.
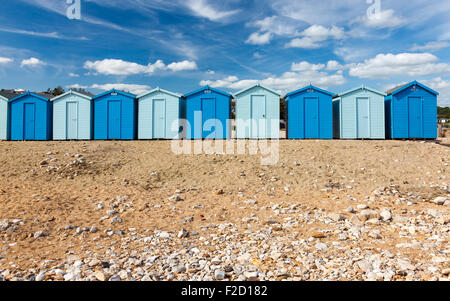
(257, 113)
(411, 112)
(159, 115)
(31, 116)
(114, 116)
(4, 117)
(359, 114)
(309, 114)
(208, 113)
(72, 116)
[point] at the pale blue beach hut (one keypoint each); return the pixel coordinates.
(4, 118)
(359, 114)
(72, 116)
(159, 115)
(257, 113)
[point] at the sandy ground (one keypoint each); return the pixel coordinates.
(50, 185)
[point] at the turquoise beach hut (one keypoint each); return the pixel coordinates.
(159, 115)
(257, 113)
(72, 116)
(359, 114)
(4, 118)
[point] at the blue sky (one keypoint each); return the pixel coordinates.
(181, 45)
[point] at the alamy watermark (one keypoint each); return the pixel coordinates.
(73, 11)
(250, 144)
(374, 8)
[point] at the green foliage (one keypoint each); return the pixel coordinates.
(443, 112)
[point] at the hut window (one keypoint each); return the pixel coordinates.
(208, 91)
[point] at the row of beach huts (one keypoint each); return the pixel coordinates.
(405, 112)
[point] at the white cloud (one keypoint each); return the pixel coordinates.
(383, 19)
(431, 46)
(314, 35)
(132, 88)
(73, 75)
(181, 66)
(301, 75)
(210, 72)
(443, 87)
(31, 62)
(5, 60)
(257, 38)
(388, 65)
(203, 9)
(120, 67)
(334, 65)
(280, 26)
(257, 55)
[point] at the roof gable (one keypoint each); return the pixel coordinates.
(360, 88)
(258, 86)
(71, 93)
(40, 96)
(114, 91)
(307, 88)
(401, 88)
(207, 88)
(158, 90)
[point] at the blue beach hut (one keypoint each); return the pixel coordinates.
(411, 112)
(159, 115)
(208, 113)
(257, 113)
(309, 114)
(359, 114)
(114, 116)
(72, 116)
(31, 117)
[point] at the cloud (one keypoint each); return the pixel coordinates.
(31, 62)
(443, 87)
(5, 60)
(314, 35)
(120, 67)
(181, 66)
(301, 75)
(383, 19)
(51, 35)
(203, 9)
(73, 75)
(334, 65)
(132, 88)
(431, 46)
(257, 38)
(389, 65)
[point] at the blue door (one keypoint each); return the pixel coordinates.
(72, 120)
(363, 118)
(311, 118)
(159, 119)
(259, 129)
(208, 118)
(29, 121)
(415, 117)
(114, 119)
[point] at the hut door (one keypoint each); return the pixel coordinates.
(72, 120)
(258, 117)
(311, 117)
(415, 117)
(114, 119)
(159, 119)
(208, 118)
(363, 118)
(29, 121)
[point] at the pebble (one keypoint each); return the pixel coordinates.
(219, 274)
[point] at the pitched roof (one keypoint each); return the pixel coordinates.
(42, 96)
(86, 95)
(208, 88)
(309, 87)
(257, 86)
(9, 94)
(158, 90)
(405, 86)
(359, 88)
(114, 91)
